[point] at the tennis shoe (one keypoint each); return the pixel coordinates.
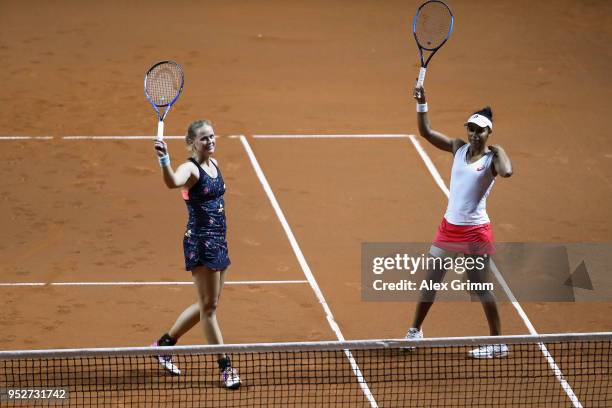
(166, 363)
(489, 351)
(413, 333)
(230, 379)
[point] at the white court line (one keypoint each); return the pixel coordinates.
(132, 137)
(551, 362)
(430, 166)
(364, 136)
(125, 137)
(283, 282)
(118, 137)
(26, 137)
(306, 268)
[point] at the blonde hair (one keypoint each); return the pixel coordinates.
(192, 129)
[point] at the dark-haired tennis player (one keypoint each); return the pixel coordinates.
(465, 228)
(204, 244)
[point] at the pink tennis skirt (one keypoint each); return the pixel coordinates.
(466, 239)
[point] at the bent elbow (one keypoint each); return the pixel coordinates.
(170, 184)
(423, 128)
(425, 132)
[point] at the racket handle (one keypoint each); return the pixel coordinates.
(421, 76)
(160, 130)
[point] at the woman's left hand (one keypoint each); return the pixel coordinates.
(161, 148)
(419, 94)
(495, 148)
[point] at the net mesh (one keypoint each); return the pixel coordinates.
(317, 374)
(163, 83)
(433, 24)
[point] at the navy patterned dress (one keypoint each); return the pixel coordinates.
(204, 242)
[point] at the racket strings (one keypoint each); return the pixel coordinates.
(433, 25)
(164, 83)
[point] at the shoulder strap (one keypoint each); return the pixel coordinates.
(200, 169)
(461, 152)
(214, 162)
(191, 159)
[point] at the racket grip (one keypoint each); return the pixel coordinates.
(160, 130)
(421, 79)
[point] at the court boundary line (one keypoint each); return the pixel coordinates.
(231, 136)
(117, 137)
(306, 269)
(332, 136)
(109, 137)
(26, 137)
(158, 283)
(548, 357)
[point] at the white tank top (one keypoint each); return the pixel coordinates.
(470, 185)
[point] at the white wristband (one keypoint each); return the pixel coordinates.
(164, 161)
(421, 107)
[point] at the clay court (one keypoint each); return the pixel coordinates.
(82, 200)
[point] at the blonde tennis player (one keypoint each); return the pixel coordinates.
(204, 243)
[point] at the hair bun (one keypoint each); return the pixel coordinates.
(486, 111)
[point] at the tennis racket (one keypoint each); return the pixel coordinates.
(163, 84)
(432, 26)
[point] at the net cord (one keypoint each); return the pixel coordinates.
(308, 346)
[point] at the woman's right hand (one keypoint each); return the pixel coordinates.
(419, 94)
(161, 148)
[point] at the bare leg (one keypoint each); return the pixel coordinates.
(486, 297)
(186, 321)
(435, 274)
(222, 280)
(490, 309)
(427, 298)
(190, 316)
(208, 284)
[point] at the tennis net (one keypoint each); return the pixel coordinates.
(568, 370)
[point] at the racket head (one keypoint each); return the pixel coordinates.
(432, 25)
(163, 83)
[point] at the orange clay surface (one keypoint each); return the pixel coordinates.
(97, 210)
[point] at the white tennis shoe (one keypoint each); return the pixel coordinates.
(489, 351)
(413, 333)
(166, 363)
(230, 378)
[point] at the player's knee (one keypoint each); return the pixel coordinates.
(209, 307)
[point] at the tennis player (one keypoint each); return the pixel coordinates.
(204, 244)
(465, 228)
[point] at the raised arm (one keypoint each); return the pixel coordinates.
(174, 179)
(501, 161)
(440, 140)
